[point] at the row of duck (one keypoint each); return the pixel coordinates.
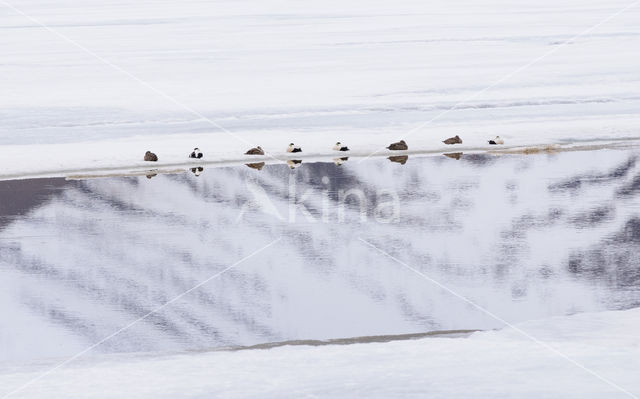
(294, 163)
(292, 148)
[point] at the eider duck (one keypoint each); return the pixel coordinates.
(150, 156)
(340, 147)
(453, 140)
(399, 146)
(255, 151)
(293, 148)
(195, 153)
(497, 140)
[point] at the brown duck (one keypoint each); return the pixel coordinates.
(255, 151)
(453, 140)
(150, 156)
(399, 146)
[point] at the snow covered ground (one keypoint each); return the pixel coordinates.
(496, 364)
(166, 76)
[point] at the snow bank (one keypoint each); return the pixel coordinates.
(488, 364)
(71, 159)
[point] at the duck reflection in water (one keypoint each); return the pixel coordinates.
(454, 155)
(197, 171)
(401, 159)
(294, 163)
(340, 161)
(255, 165)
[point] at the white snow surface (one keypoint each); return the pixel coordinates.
(494, 364)
(166, 76)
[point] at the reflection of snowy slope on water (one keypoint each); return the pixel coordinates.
(514, 233)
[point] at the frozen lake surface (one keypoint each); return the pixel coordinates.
(107, 70)
(526, 237)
